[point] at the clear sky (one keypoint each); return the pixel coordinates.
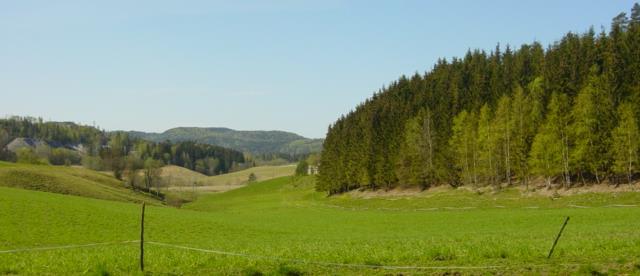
(285, 65)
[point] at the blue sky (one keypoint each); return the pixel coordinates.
(285, 65)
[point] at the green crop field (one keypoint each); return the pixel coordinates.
(282, 226)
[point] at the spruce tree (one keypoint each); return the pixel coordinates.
(416, 158)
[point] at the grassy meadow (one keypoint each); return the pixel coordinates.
(284, 227)
(181, 179)
(68, 180)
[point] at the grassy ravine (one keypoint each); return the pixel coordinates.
(285, 218)
(68, 180)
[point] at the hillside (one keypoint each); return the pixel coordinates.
(61, 143)
(283, 227)
(567, 113)
(255, 142)
(68, 180)
(181, 179)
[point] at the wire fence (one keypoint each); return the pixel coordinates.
(448, 208)
(247, 256)
(280, 259)
(70, 246)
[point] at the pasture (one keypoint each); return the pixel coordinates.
(283, 227)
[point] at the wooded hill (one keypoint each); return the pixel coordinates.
(568, 113)
(101, 150)
(255, 142)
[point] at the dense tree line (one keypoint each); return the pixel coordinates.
(567, 113)
(115, 151)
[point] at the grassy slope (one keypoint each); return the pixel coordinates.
(285, 218)
(240, 177)
(67, 180)
(179, 176)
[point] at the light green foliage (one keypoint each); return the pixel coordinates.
(527, 114)
(592, 118)
(463, 146)
(285, 219)
(503, 126)
(626, 139)
(546, 153)
(486, 141)
(548, 156)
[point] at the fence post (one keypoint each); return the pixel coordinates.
(142, 239)
(557, 238)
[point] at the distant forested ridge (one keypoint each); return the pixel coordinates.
(254, 142)
(68, 143)
(567, 114)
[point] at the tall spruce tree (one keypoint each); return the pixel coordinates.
(416, 159)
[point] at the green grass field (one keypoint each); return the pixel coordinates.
(285, 228)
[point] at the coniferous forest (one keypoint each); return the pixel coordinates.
(566, 114)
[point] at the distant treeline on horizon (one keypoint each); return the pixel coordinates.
(65, 143)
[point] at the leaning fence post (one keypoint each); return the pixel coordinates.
(557, 238)
(142, 239)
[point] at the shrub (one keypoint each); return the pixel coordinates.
(29, 156)
(62, 156)
(252, 178)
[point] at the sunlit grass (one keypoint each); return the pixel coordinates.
(284, 218)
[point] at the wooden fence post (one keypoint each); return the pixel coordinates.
(142, 239)
(557, 238)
